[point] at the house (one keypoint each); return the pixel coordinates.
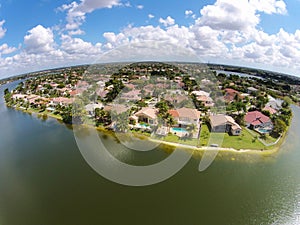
(116, 109)
(252, 90)
(130, 86)
(131, 95)
(176, 99)
(205, 81)
(274, 103)
(256, 119)
(270, 110)
(102, 93)
(185, 116)
(230, 94)
(147, 115)
(90, 108)
(19, 96)
(206, 100)
(200, 93)
(61, 101)
(224, 124)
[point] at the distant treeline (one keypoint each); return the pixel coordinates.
(275, 76)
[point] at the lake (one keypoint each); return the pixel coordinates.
(228, 73)
(44, 180)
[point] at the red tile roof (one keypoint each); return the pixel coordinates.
(270, 109)
(230, 94)
(256, 118)
(174, 113)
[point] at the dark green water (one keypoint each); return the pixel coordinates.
(45, 181)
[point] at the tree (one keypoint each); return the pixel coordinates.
(6, 91)
(169, 121)
(279, 127)
(7, 95)
(285, 105)
(121, 122)
(102, 117)
(191, 128)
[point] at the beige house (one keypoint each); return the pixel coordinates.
(224, 124)
(147, 115)
(185, 116)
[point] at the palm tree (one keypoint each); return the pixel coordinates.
(121, 123)
(191, 128)
(169, 121)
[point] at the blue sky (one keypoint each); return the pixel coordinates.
(42, 34)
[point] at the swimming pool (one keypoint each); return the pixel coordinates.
(263, 130)
(178, 129)
(143, 125)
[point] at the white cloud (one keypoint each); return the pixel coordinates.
(269, 6)
(76, 11)
(229, 15)
(139, 6)
(188, 12)
(39, 40)
(167, 22)
(227, 31)
(5, 49)
(151, 16)
(238, 15)
(2, 30)
(78, 48)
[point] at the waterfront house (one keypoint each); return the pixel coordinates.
(61, 101)
(185, 116)
(19, 96)
(256, 119)
(224, 124)
(147, 115)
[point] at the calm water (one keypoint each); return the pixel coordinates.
(45, 181)
(236, 73)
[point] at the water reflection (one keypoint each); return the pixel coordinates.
(44, 180)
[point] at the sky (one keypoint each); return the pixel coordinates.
(45, 34)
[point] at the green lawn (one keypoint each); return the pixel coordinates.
(269, 139)
(244, 141)
(175, 139)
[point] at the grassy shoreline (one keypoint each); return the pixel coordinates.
(268, 150)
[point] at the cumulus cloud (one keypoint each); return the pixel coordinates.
(226, 31)
(229, 15)
(5, 49)
(76, 12)
(39, 40)
(238, 15)
(2, 30)
(139, 6)
(77, 47)
(167, 22)
(269, 6)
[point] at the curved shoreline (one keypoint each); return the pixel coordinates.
(265, 152)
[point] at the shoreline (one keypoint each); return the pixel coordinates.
(265, 152)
